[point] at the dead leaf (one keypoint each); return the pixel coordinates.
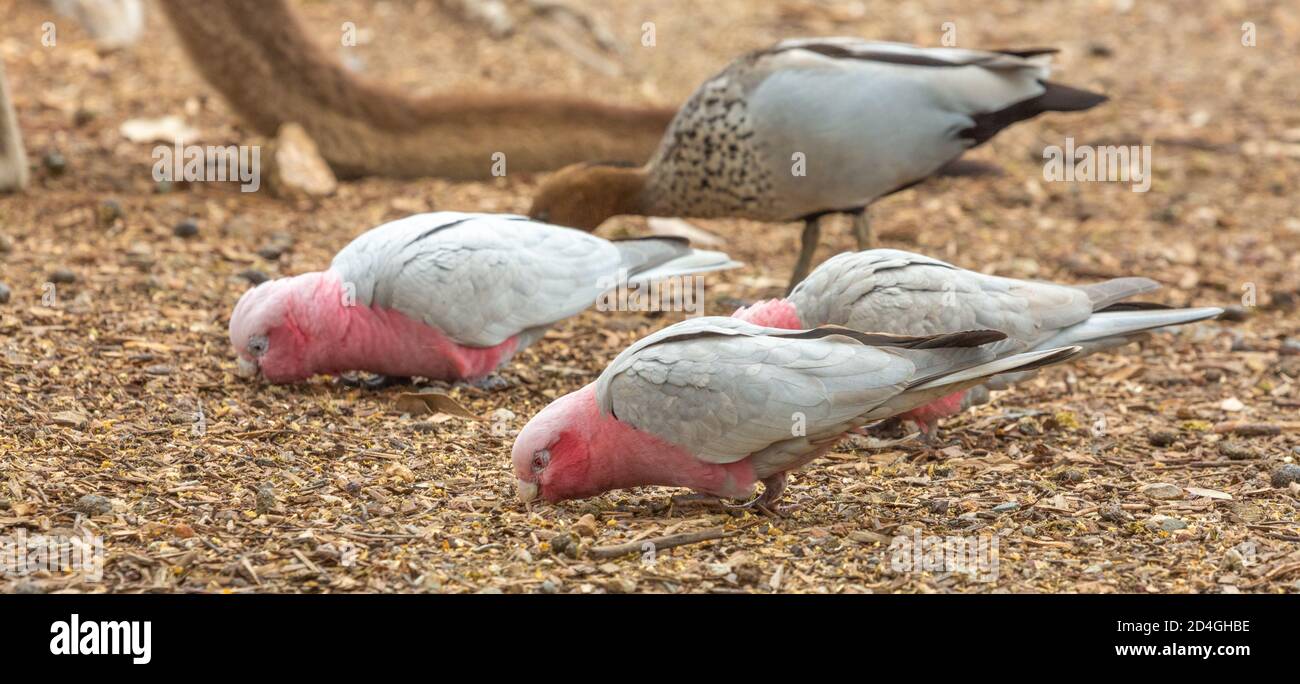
(419, 403)
(1210, 493)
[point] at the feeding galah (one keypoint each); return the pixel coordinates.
(446, 296)
(717, 404)
(897, 292)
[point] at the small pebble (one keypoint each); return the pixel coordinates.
(1290, 347)
(586, 526)
(1070, 475)
(1162, 438)
(55, 163)
(110, 211)
(5, 293)
(186, 229)
(1236, 451)
(1004, 507)
(270, 252)
(1165, 523)
(265, 498)
(1114, 513)
(1162, 491)
(93, 504)
(1285, 475)
(561, 542)
(6, 244)
(83, 116)
(63, 276)
(1100, 50)
(254, 276)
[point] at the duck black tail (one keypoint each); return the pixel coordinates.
(1056, 98)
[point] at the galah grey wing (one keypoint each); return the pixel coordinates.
(868, 118)
(479, 278)
(910, 294)
(724, 389)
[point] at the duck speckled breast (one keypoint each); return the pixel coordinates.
(710, 163)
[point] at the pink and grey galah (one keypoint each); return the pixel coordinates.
(717, 404)
(897, 292)
(445, 296)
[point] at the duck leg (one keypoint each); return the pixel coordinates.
(812, 233)
(862, 228)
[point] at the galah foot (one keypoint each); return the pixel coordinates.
(374, 382)
(490, 383)
(773, 487)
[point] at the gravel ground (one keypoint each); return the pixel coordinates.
(1161, 467)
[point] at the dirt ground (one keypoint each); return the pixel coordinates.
(323, 488)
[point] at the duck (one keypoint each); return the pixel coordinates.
(811, 127)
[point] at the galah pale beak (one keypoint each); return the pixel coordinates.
(246, 368)
(528, 491)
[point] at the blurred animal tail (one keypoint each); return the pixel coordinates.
(271, 70)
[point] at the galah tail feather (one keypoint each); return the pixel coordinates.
(717, 404)
(892, 291)
(445, 296)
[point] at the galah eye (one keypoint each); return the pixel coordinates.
(541, 459)
(257, 345)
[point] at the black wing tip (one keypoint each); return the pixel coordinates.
(658, 238)
(1134, 306)
(1060, 355)
(1030, 52)
(968, 338)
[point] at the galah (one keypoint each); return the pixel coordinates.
(897, 292)
(717, 404)
(445, 296)
(815, 126)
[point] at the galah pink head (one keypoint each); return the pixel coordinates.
(570, 450)
(275, 326)
(772, 313)
(551, 455)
